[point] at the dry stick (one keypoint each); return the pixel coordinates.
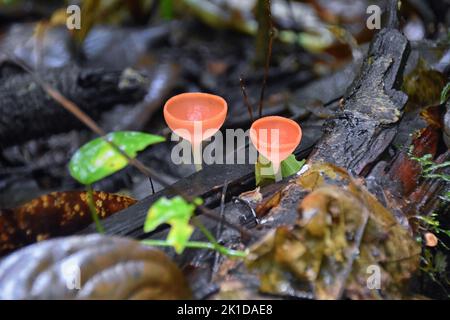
(220, 226)
(222, 207)
(247, 103)
(151, 185)
(268, 56)
(91, 124)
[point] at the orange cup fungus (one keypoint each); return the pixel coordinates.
(275, 138)
(195, 117)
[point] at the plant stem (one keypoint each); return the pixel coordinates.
(93, 209)
(213, 240)
(204, 230)
(199, 245)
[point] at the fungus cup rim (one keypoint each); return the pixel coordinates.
(291, 123)
(173, 100)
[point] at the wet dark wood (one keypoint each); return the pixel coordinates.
(27, 112)
(362, 130)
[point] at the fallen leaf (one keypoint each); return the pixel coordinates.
(91, 267)
(342, 232)
(54, 214)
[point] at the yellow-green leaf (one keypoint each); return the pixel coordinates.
(97, 159)
(177, 212)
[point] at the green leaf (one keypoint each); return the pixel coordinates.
(291, 166)
(97, 159)
(268, 175)
(444, 94)
(167, 9)
(288, 167)
(176, 212)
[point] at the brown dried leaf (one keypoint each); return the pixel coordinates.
(264, 208)
(252, 196)
(54, 214)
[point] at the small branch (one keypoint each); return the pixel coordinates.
(268, 57)
(222, 207)
(91, 124)
(220, 226)
(247, 103)
(151, 185)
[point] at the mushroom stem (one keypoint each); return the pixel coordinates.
(276, 170)
(197, 154)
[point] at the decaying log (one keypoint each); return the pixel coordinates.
(27, 112)
(163, 80)
(372, 108)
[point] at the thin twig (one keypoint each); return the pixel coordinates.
(268, 56)
(222, 208)
(220, 226)
(91, 124)
(247, 103)
(151, 185)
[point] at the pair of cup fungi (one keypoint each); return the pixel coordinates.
(198, 116)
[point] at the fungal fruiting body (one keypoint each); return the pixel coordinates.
(275, 138)
(195, 117)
